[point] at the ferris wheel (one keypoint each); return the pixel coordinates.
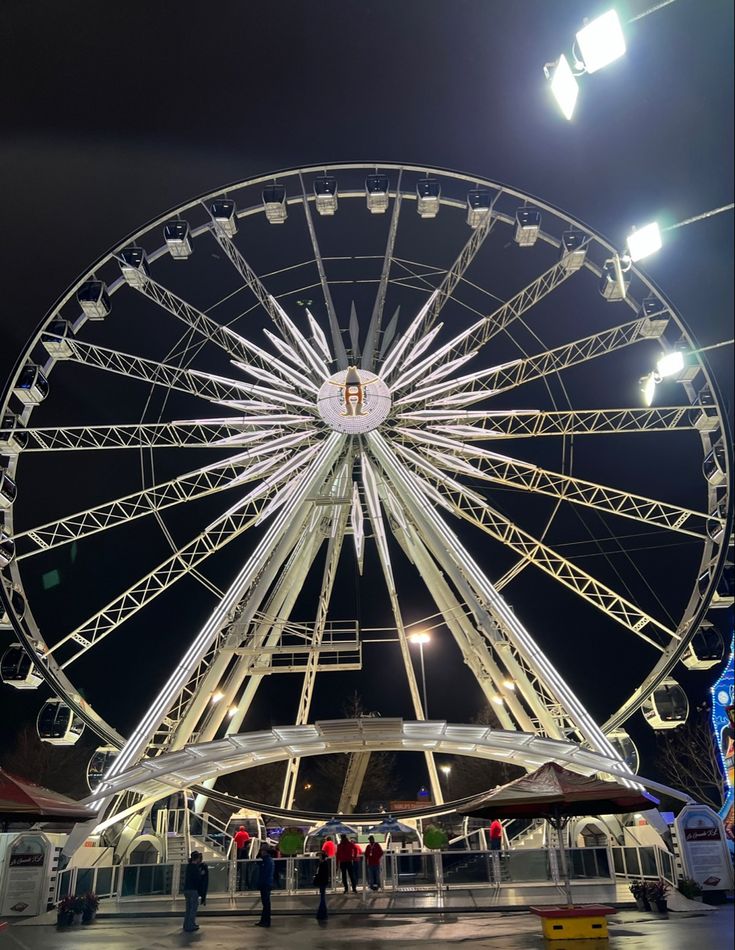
(357, 370)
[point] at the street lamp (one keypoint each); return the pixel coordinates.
(446, 770)
(421, 637)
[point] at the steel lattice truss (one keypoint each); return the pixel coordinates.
(315, 479)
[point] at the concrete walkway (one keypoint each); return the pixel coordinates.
(629, 930)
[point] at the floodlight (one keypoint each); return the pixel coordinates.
(644, 241)
(419, 638)
(564, 86)
(601, 42)
(670, 363)
(446, 769)
(648, 388)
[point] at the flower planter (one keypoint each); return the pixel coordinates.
(89, 916)
(662, 906)
(77, 918)
(642, 903)
(64, 918)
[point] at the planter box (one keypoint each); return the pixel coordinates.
(579, 922)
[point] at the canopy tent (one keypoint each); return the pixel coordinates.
(391, 826)
(333, 827)
(21, 800)
(556, 794)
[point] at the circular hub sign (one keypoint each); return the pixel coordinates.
(353, 401)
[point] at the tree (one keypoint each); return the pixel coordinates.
(687, 759)
(62, 769)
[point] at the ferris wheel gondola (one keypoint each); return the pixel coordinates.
(58, 724)
(18, 670)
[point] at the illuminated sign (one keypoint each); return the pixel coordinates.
(723, 719)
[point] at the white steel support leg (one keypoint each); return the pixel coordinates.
(334, 549)
(376, 519)
(461, 563)
(309, 482)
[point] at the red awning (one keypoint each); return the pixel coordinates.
(21, 800)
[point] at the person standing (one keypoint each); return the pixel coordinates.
(357, 863)
(241, 840)
(192, 882)
(203, 881)
(329, 847)
(321, 880)
(496, 835)
(346, 856)
(373, 856)
(265, 883)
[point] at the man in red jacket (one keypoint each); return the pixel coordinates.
(346, 857)
(329, 847)
(496, 835)
(373, 855)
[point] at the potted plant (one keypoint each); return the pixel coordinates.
(640, 893)
(77, 908)
(656, 892)
(435, 838)
(65, 911)
(690, 888)
(91, 902)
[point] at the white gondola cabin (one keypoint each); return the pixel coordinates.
(94, 300)
(479, 202)
(58, 724)
(325, 194)
(706, 648)
(19, 608)
(224, 215)
(376, 191)
(12, 439)
(7, 549)
(724, 595)
(102, 759)
(17, 669)
(428, 192)
(8, 489)
(134, 266)
(274, 202)
(573, 251)
(614, 282)
(55, 339)
(667, 707)
(32, 386)
(177, 238)
(714, 466)
(528, 225)
(625, 747)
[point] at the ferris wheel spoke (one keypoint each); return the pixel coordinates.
(224, 337)
(520, 423)
(370, 348)
(466, 505)
(337, 342)
(516, 372)
(184, 433)
(525, 476)
(246, 513)
(470, 341)
(216, 389)
(219, 476)
(307, 357)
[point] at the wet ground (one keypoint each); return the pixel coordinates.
(629, 930)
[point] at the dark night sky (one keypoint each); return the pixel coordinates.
(116, 112)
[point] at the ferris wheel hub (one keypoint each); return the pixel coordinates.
(353, 401)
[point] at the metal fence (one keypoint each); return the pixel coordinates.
(399, 872)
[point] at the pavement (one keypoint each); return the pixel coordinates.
(629, 930)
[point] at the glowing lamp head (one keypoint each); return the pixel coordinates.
(564, 86)
(420, 637)
(446, 769)
(644, 241)
(670, 363)
(601, 41)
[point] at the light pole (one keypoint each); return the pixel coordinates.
(421, 638)
(447, 771)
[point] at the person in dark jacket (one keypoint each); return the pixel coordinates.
(265, 883)
(192, 882)
(346, 857)
(203, 881)
(321, 880)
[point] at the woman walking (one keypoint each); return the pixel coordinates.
(192, 883)
(321, 880)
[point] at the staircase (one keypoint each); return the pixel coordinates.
(534, 836)
(207, 835)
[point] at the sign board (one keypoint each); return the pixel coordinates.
(704, 853)
(723, 717)
(25, 888)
